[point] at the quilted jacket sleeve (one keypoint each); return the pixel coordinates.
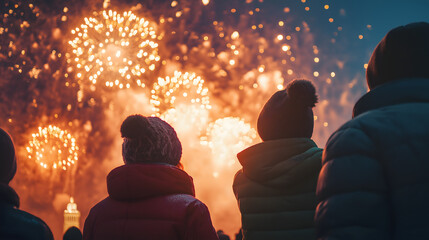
(198, 223)
(351, 190)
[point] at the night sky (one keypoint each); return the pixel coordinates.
(354, 17)
(40, 88)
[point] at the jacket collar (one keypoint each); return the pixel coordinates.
(270, 160)
(8, 195)
(402, 91)
(133, 182)
(288, 147)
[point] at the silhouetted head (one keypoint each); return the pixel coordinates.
(221, 235)
(402, 53)
(288, 113)
(72, 233)
(239, 235)
(149, 140)
(7, 158)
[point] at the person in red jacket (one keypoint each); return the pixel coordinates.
(149, 197)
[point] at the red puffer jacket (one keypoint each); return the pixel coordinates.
(149, 201)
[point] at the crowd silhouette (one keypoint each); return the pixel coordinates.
(370, 182)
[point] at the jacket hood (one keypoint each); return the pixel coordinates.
(413, 90)
(280, 162)
(133, 182)
(8, 195)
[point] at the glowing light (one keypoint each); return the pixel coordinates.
(365, 65)
(326, 6)
(285, 48)
(226, 137)
(316, 74)
(281, 23)
(331, 20)
(186, 88)
(235, 35)
(361, 36)
(186, 118)
(112, 45)
(332, 74)
(53, 148)
(279, 37)
(316, 59)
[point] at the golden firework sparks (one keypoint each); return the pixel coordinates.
(52, 148)
(226, 137)
(117, 48)
(181, 88)
(187, 118)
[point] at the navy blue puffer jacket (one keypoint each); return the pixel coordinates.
(374, 182)
(16, 224)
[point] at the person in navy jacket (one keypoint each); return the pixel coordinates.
(14, 223)
(374, 182)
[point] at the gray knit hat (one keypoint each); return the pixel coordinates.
(149, 140)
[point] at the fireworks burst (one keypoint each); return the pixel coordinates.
(226, 137)
(113, 47)
(52, 148)
(182, 88)
(187, 118)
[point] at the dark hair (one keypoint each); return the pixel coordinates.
(73, 233)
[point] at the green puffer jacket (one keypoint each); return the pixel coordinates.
(276, 189)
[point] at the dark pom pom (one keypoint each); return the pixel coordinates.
(302, 92)
(134, 126)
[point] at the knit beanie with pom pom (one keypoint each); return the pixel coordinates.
(149, 140)
(288, 113)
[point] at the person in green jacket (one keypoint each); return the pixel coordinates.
(276, 187)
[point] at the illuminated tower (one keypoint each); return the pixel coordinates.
(71, 215)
